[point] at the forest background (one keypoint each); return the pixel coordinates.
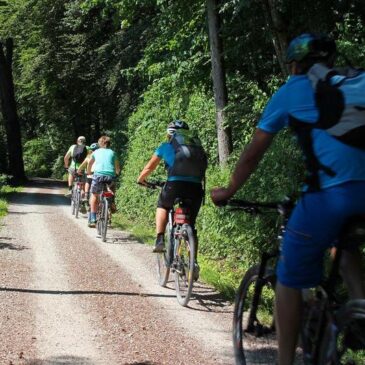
(128, 67)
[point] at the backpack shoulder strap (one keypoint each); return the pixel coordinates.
(319, 72)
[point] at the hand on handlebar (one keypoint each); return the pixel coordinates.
(151, 185)
(142, 182)
(220, 195)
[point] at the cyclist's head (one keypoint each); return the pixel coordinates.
(93, 147)
(176, 124)
(104, 142)
(309, 48)
(81, 140)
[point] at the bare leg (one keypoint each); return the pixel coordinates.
(351, 271)
(161, 220)
(87, 189)
(93, 202)
(288, 313)
(70, 180)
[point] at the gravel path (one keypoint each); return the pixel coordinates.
(68, 298)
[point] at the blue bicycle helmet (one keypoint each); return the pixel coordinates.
(176, 124)
(310, 45)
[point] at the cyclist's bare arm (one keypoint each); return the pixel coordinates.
(83, 166)
(66, 159)
(148, 169)
(249, 159)
(89, 166)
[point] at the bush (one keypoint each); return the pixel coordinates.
(38, 157)
(232, 238)
(58, 168)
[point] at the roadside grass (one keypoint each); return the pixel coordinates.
(142, 233)
(222, 274)
(5, 192)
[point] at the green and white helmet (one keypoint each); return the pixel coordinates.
(176, 124)
(310, 45)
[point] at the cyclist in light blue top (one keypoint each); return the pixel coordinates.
(184, 180)
(106, 167)
(334, 193)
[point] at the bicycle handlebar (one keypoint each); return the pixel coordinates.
(283, 207)
(152, 184)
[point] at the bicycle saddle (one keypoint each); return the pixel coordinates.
(186, 202)
(353, 233)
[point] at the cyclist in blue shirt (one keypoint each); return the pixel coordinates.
(321, 212)
(176, 186)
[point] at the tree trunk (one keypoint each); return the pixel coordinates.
(9, 111)
(278, 28)
(219, 82)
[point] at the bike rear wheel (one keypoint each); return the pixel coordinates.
(77, 202)
(99, 218)
(163, 259)
(343, 341)
(73, 199)
(105, 217)
(254, 337)
(184, 265)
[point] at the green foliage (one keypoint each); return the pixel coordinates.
(5, 191)
(39, 157)
(224, 236)
(86, 67)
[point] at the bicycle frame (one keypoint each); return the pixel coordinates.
(325, 314)
(175, 230)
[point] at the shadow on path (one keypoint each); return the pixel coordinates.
(53, 184)
(11, 246)
(75, 360)
(33, 198)
(82, 292)
(62, 360)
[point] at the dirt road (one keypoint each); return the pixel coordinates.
(68, 298)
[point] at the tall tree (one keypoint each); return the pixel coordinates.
(9, 111)
(279, 30)
(219, 81)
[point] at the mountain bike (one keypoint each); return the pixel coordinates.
(104, 211)
(179, 256)
(77, 188)
(332, 331)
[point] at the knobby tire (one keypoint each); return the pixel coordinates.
(163, 258)
(255, 345)
(99, 219)
(73, 198)
(105, 216)
(77, 203)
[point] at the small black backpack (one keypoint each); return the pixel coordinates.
(190, 157)
(79, 153)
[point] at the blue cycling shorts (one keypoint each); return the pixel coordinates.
(313, 227)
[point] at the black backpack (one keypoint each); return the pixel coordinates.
(79, 153)
(341, 109)
(190, 157)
